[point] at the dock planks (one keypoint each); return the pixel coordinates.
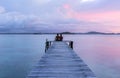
(60, 61)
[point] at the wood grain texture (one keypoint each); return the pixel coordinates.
(60, 61)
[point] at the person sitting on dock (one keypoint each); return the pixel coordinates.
(59, 37)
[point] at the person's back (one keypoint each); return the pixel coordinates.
(61, 37)
(57, 37)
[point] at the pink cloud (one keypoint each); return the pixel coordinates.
(66, 6)
(90, 16)
(107, 20)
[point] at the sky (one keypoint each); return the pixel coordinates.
(61, 15)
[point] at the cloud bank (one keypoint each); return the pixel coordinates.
(63, 15)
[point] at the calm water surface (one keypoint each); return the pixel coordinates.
(19, 53)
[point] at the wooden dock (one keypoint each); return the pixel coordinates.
(60, 61)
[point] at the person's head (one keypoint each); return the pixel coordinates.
(60, 34)
(57, 34)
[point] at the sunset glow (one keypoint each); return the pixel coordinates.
(83, 15)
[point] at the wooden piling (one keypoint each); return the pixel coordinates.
(71, 44)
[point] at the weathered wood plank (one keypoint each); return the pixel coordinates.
(60, 61)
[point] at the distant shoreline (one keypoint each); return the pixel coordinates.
(68, 33)
(56, 33)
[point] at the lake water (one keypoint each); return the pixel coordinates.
(19, 53)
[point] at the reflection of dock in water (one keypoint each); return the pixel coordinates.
(60, 61)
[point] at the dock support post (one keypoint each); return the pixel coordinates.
(47, 44)
(71, 44)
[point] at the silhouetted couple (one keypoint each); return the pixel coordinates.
(59, 37)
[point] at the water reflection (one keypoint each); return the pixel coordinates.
(101, 53)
